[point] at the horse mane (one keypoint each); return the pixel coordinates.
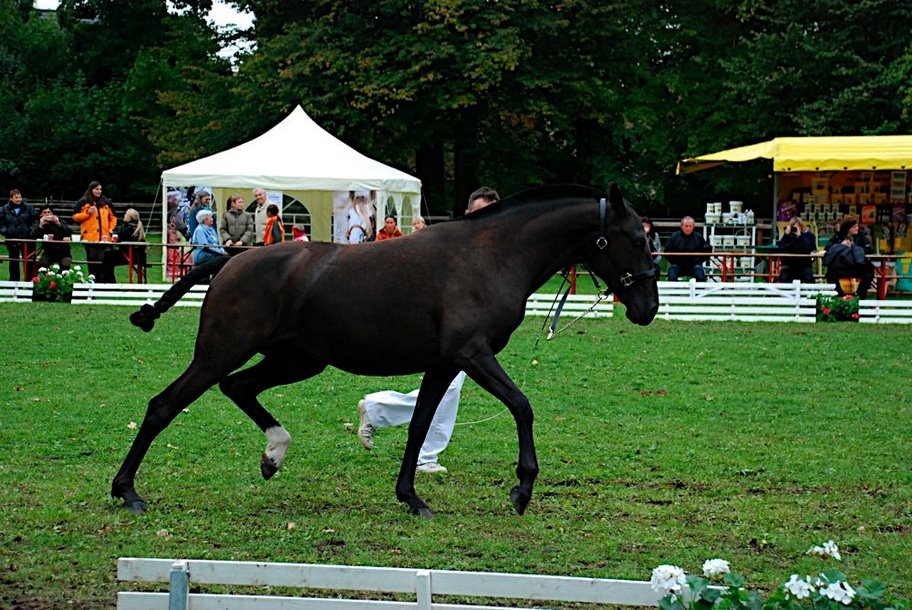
(537, 194)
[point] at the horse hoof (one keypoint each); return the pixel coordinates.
(267, 467)
(137, 507)
(423, 512)
(519, 500)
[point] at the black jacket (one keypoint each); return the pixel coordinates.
(678, 242)
(17, 221)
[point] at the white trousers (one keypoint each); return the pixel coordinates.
(388, 408)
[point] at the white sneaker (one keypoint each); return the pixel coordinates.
(365, 429)
(430, 467)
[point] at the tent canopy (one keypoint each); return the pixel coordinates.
(296, 154)
(835, 153)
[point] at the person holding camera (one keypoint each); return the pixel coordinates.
(797, 240)
(55, 236)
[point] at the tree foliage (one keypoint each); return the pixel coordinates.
(460, 92)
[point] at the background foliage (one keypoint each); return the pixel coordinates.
(459, 92)
(667, 444)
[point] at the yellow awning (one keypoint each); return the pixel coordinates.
(835, 153)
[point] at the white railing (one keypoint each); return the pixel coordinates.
(420, 589)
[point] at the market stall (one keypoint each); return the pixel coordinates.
(823, 179)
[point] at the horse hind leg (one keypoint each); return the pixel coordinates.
(161, 411)
(243, 388)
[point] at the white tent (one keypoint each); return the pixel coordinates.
(302, 160)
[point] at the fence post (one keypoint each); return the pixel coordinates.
(423, 589)
(179, 590)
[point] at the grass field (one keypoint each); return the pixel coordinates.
(672, 443)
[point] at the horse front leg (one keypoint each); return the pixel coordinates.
(433, 387)
(488, 373)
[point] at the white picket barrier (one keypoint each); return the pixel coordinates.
(708, 301)
(739, 301)
(421, 587)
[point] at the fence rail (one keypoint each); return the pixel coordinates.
(423, 587)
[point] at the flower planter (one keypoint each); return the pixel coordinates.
(51, 298)
(839, 308)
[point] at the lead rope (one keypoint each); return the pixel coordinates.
(602, 295)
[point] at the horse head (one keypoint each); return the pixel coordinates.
(620, 256)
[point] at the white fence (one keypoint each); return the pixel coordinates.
(423, 588)
(715, 301)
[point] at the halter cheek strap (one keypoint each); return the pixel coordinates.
(628, 279)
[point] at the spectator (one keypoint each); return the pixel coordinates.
(389, 408)
(56, 236)
(177, 218)
(205, 239)
(654, 243)
(846, 256)
(237, 226)
(418, 223)
(390, 229)
(686, 240)
(360, 228)
(96, 224)
(132, 230)
(274, 231)
(202, 201)
(299, 233)
(259, 214)
(797, 240)
(17, 220)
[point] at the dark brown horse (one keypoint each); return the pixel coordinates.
(454, 293)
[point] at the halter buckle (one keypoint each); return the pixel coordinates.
(627, 280)
(601, 242)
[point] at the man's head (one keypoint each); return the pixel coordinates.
(236, 202)
(15, 197)
(687, 225)
(46, 213)
(482, 198)
(260, 196)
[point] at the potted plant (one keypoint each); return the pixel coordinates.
(52, 284)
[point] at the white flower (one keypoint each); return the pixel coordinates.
(42, 269)
(715, 567)
(667, 579)
(55, 267)
(76, 267)
(65, 273)
(91, 277)
(829, 549)
(800, 588)
(839, 592)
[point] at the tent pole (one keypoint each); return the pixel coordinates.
(774, 229)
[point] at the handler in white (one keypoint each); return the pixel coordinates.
(389, 408)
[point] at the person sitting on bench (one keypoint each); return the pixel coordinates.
(846, 257)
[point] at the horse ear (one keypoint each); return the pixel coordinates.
(616, 199)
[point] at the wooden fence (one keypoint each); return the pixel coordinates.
(416, 588)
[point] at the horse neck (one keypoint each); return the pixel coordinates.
(548, 238)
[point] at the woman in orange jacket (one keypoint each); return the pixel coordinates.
(96, 224)
(274, 232)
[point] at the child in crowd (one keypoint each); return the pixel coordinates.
(274, 232)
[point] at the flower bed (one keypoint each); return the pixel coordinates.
(52, 284)
(720, 588)
(837, 308)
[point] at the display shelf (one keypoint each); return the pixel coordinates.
(725, 238)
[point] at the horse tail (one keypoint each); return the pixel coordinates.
(147, 315)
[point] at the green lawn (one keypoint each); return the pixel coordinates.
(673, 443)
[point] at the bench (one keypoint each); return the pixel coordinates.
(740, 301)
(416, 586)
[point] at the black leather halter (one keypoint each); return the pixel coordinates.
(626, 279)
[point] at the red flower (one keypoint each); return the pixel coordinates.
(855, 316)
(53, 285)
(826, 311)
(35, 280)
(847, 297)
